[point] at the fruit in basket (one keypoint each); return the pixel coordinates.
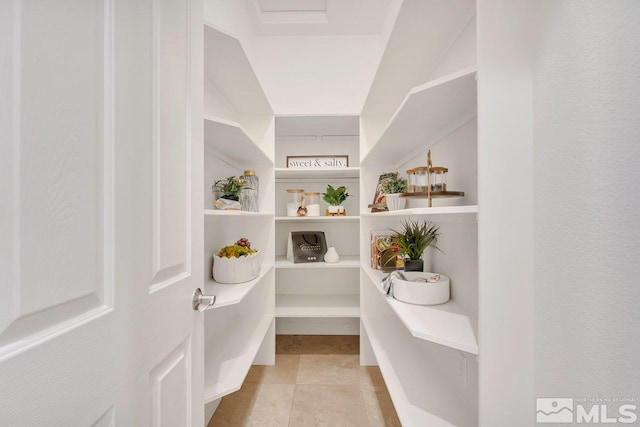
(241, 248)
(244, 242)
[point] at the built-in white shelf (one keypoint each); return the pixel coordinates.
(435, 214)
(234, 370)
(231, 142)
(346, 261)
(352, 218)
(317, 174)
(423, 32)
(227, 66)
(428, 113)
(288, 305)
(446, 324)
(409, 414)
(212, 214)
(229, 294)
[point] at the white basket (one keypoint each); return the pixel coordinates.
(421, 293)
(237, 270)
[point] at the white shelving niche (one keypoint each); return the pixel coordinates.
(318, 298)
(423, 97)
(238, 135)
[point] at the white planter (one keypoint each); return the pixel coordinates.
(335, 209)
(237, 270)
(395, 202)
(421, 293)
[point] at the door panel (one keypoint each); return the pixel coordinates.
(171, 386)
(171, 141)
(106, 420)
(57, 163)
(102, 211)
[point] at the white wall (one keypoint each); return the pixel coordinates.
(587, 157)
(231, 17)
(505, 224)
(317, 74)
(461, 54)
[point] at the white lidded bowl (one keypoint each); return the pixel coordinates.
(236, 270)
(421, 293)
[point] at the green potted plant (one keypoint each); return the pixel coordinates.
(393, 188)
(230, 189)
(414, 238)
(335, 197)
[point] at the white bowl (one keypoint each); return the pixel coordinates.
(421, 293)
(237, 270)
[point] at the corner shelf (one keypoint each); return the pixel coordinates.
(352, 218)
(428, 113)
(289, 305)
(423, 32)
(352, 261)
(211, 214)
(437, 214)
(445, 324)
(235, 370)
(230, 294)
(408, 413)
(317, 174)
(434, 195)
(231, 142)
(227, 66)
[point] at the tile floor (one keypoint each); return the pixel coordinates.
(316, 381)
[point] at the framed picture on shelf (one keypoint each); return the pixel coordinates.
(384, 252)
(318, 162)
(379, 203)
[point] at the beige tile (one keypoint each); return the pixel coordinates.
(328, 406)
(371, 377)
(284, 371)
(317, 344)
(328, 369)
(272, 406)
(235, 408)
(379, 407)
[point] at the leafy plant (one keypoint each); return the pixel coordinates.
(394, 184)
(335, 196)
(229, 187)
(416, 237)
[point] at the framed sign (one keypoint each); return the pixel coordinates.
(317, 162)
(378, 196)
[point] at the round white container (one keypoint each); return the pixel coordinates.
(237, 270)
(421, 293)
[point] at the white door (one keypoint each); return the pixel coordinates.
(100, 212)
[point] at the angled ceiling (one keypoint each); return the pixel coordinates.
(317, 17)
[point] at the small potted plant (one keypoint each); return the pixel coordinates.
(414, 239)
(335, 197)
(393, 188)
(237, 263)
(230, 189)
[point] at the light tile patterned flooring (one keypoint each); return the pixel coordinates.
(317, 381)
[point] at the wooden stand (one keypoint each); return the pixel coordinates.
(343, 213)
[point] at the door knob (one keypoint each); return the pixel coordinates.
(202, 302)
